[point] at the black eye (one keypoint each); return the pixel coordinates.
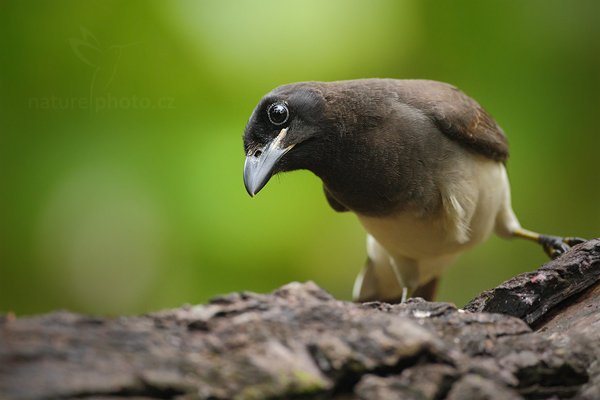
(278, 113)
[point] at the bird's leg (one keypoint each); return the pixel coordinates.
(400, 280)
(554, 246)
(404, 294)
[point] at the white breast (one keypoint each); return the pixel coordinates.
(475, 195)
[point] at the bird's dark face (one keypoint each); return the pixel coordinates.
(283, 128)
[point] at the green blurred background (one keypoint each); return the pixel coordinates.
(120, 139)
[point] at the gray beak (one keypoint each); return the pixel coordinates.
(259, 164)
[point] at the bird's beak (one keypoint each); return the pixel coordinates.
(260, 163)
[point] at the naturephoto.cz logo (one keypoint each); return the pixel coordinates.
(104, 62)
(99, 103)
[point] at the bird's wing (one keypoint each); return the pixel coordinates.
(457, 115)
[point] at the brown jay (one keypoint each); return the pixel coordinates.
(420, 163)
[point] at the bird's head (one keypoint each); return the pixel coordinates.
(286, 126)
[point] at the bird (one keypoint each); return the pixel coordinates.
(421, 164)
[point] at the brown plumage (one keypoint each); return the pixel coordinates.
(419, 162)
(457, 115)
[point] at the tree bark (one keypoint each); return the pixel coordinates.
(536, 336)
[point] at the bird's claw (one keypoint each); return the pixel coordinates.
(572, 241)
(555, 246)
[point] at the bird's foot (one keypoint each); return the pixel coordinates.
(556, 246)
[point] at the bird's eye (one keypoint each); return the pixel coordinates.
(278, 113)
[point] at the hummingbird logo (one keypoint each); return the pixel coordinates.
(103, 59)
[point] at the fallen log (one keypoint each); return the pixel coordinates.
(536, 336)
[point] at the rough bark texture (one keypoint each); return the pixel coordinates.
(536, 336)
